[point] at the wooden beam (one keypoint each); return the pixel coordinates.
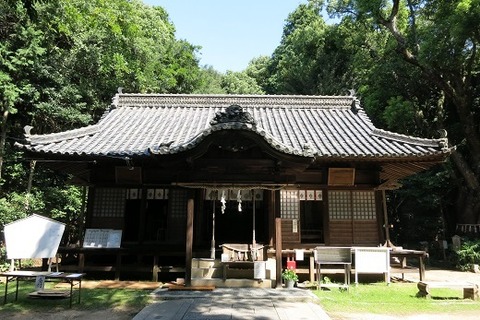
(189, 243)
(278, 251)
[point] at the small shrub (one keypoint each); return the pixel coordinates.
(468, 254)
(289, 274)
(4, 265)
(326, 280)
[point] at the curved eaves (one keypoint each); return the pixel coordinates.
(167, 149)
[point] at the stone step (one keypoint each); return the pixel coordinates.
(233, 283)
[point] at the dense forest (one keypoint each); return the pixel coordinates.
(412, 63)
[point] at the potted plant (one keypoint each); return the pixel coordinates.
(289, 276)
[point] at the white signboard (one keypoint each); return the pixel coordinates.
(102, 238)
(372, 260)
(259, 269)
(39, 283)
(33, 237)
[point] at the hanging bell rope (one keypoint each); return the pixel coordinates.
(212, 244)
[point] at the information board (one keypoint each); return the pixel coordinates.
(102, 238)
(33, 237)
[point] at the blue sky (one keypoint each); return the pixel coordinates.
(231, 33)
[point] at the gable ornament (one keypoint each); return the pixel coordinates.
(233, 113)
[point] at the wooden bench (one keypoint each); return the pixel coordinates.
(333, 256)
(470, 290)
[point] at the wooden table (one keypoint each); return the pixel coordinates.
(72, 278)
(403, 255)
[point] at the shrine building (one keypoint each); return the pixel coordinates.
(191, 180)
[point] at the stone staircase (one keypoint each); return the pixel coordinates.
(209, 272)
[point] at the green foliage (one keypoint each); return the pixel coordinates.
(422, 76)
(210, 81)
(294, 65)
(258, 69)
(12, 207)
(4, 264)
(240, 83)
(326, 280)
(416, 210)
(398, 114)
(214, 82)
(289, 274)
(60, 70)
(468, 255)
(60, 64)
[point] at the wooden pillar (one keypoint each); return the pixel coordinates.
(311, 269)
(278, 251)
(142, 216)
(81, 216)
(189, 243)
(388, 243)
(271, 216)
(118, 265)
(421, 267)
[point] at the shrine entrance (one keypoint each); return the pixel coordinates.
(237, 227)
(236, 218)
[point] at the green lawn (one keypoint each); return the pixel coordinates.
(91, 299)
(377, 298)
(397, 298)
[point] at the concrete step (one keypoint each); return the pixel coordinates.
(233, 283)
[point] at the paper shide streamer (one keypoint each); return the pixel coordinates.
(223, 201)
(239, 200)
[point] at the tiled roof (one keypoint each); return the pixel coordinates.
(309, 126)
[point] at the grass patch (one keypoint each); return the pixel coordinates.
(91, 299)
(396, 298)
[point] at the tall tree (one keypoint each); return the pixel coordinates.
(61, 61)
(20, 50)
(210, 81)
(240, 83)
(313, 57)
(438, 40)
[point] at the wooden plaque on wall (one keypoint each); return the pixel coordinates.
(128, 175)
(341, 176)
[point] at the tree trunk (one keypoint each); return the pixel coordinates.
(468, 206)
(457, 87)
(3, 139)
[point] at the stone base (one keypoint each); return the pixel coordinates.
(233, 283)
